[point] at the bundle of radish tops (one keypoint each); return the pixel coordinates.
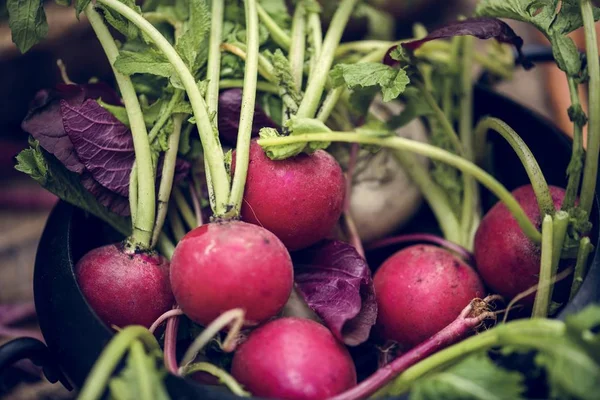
(250, 158)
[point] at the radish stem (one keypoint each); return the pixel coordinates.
(278, 35)
(559, 229)
(329, 103)
(212, 148)
(213, 68)
(590, 169)
(224, 378)
(298, 45)
(542, 297)
(98, 377)
(164, 317)
(577, 155)
(439, 115)
(314, 90)
(585, 248)
(238, 83)
(175, 223)
(166, 181)
(534, 172)
(171, 344)
(184, 208)
(315, 38)
(144, 380)
(133, 193)
(165, 246)
(265, 68)
(425, 149)
(242, 149)
(165, 115)
(141, 235)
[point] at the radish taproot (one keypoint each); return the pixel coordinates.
(125, 288)
(508, 261)
(420, 290)
(299, 199)
(221, 266)
(293, 359)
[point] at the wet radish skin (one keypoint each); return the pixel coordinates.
(293, 359)
(125, 289)
(508, 262)
(299, 199)
(225, 265)
(420, 290)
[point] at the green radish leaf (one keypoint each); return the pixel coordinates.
(27, 22)
(280, 152)
(125, 386)
(120, 23)
(579, 329)
(80, 5)
(54, 177)
(277, 9)
(283, 73)
(569, 18)
(476, 378)
(566, 54)
(148, 61)
(192, 43)
(539, 13)
(119, 112)
(392, 81)
(295, 126)
(414, 107)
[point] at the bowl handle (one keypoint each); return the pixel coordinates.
(38, 353)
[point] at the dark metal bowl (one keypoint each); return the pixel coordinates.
(75, 335)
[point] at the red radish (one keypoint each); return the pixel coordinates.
(225, 265)
(420, 290)
(293, 359)
(123, 288)
(508, 262)
(299, 199)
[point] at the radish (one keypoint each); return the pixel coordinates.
(125, 289)
(299, 199)
(221, 266)
(506, 259)
(293, 358)
(420, 290)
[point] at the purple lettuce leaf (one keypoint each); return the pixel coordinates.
(230, 106)
(335, 281)
(109, 199)
(481, 28)
(102, 143)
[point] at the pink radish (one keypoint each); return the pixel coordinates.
(508, 262)
(220, 266)
(293, 359)
(125, 288)
(420, 290)
(299, 199)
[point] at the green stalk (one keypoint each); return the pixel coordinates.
(175, 222)
(362, 46)
(329, 103)
(590, 169)
(314, 90)
(542, 297)
(265, 68)
(278, 35)
(145, 210)
(133, 193)
(513, 333)
(144, 381)
(165, 246)
(559, 229)
(224, 378)
(242, 149)
(165, 115)
(298, 45)
(440, 116)
(577, 155)
(166, 182)
(98, 377)
(213, 151)
(433, 194)
(585, 248)
(238, 83)
(425, 149)
(213, 68)
(315, 39)
(534, 172)
(184, 208)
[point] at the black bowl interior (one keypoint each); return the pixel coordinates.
(76, 336)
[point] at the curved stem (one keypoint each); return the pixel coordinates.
(265, 68)
(425, 149)
(576, 163)
(164, 317)
(226, 379)
(278, 35)
(166, 181)
(171, 345)
(542, 297)
(212, 148)
(314, 90)
(242, 149)
(534, 172)
(144, 381)
(234, 317)
(238, 83)
(590, 169)
(98, 377)
(213, 68)
(145, 211)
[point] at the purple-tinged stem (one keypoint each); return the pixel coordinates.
(12, 313)
(169, 314)
(171, 345)
(469, 319)
(423, 237)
